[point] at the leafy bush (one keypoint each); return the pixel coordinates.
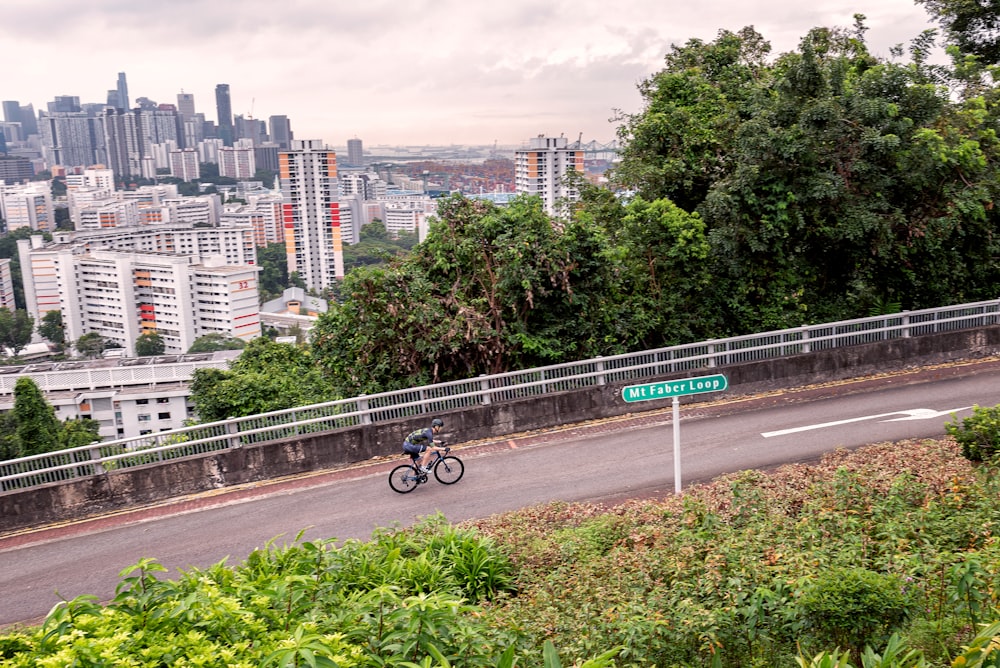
(849, 607)
(978, 434)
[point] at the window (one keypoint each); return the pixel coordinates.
(142, 402)
(163, 400)
(163, 416)
(143, 418)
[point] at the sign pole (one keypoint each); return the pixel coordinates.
(675, 388)
(677, 445)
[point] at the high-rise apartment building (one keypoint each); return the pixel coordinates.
(15, 169)
(311, 213)
(262, 213)
(6, 286)
(184, 164)
(541, 168)
(72, 139)
(237, 162)
(266, 156)
(224, 110)
(28, 205)
(367, 185)
(123, 293)
(355, 152)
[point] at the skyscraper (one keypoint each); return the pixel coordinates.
(29, 124)
(281, 131)
(73, 139)
(122, 91)
(355, 153)
(311, 213)
(12, 111)
(185, 105)
(540, 170)
(224, 110)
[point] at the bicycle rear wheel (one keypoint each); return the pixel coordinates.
(403, 479)
(449, 470)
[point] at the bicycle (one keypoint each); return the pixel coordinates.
(448, 469)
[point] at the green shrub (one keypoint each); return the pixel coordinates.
(978, 434)
(851, 607)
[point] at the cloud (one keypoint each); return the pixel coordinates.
(449, 71)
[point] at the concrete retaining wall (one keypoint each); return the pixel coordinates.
(156, 482)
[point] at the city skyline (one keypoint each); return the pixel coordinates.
(416, 73)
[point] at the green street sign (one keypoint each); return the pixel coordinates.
(674, 388)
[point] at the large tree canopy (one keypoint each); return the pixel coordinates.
(848, 184)
(267, 376)
(972, 25)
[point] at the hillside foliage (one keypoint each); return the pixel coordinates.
(888, 556)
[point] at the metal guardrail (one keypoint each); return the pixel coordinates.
(99, 458)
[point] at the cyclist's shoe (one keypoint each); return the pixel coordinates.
(425, 469)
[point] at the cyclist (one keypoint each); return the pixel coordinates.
(422, 442)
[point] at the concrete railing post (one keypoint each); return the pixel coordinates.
(233, 434)
(484, 390)
(601, 378)
(95, 458)
(906, 324)
(805, 339)
(364, 409)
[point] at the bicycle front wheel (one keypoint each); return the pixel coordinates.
(449, 470)
(403, 479)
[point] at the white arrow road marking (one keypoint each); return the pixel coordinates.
(927, 413)
(911, 414)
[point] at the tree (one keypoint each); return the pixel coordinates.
(679, 145)
(267, 376)
(76, 432)
(374, 247)
(265, 176)
(36, 428)
(91, 345)
(52, 328)
(148, 345)
(215, 341)
(15, 330)
(972, 25)
(273, 277)
(489, 289)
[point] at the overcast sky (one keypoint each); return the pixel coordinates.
(401, 72)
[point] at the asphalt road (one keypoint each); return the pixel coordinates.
(603, 461)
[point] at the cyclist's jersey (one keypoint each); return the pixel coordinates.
(417, 440)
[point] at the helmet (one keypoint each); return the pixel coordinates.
(437, 422)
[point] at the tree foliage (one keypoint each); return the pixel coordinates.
(209, 343)
(267, 376)
(972, 25)
(835, 183)
(91, 345)
(34, 426)
(15, 329)
(148, 345)
(51, 327)
(273, 276)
